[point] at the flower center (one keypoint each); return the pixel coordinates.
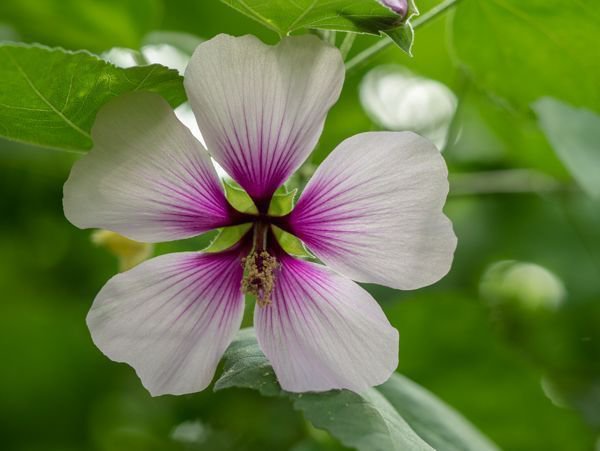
(259, 268)
(259, 276)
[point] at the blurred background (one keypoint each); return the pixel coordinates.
(510, 338)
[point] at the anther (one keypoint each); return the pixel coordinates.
(259, 276)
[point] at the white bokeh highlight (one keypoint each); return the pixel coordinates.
(396, 99)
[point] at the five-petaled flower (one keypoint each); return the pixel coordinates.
(372, 212)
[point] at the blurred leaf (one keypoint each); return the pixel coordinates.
(8, 33)
(59, 110)
(532, 48)
(575, 135)
(129, 252)
(398, 415)
(441, 426)
(356, 16)
(94, 25)
(227, 237)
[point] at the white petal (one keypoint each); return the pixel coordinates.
(323, 331)
(373, 211)
(171, 318)
(120, 57)
(166, 55)
(185, 114)
(147, 177)
(261, 108)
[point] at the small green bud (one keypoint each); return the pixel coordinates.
(523, 285)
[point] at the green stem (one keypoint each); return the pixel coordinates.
(347, 44)
(504, 182)
(385, 42)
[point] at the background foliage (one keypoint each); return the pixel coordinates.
(524, 172)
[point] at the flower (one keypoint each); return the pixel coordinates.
(372, 212)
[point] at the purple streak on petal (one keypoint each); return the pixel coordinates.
(147, 177)
(171, 318)
(373, 211)
(323, 331)
(261, 108)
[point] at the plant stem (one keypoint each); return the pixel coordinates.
(385, 42)
(504, 182)
(347, 44)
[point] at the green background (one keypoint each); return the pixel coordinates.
(58, 392)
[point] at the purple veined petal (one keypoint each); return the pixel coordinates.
(373, 211)
(146, 177)
(322, 331)
(261, 108)
(171, 318)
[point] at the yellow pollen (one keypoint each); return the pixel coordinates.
(259, 276)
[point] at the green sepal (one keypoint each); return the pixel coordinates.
(282, 203)
(238, 198)
(227, 237)
(404, 35)
(290, 243)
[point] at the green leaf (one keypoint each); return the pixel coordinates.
(238, 198)
(50, 97)
(282, 203)
(286, 16)
(95, 25)
(575, 135)
(227, 237)
(290, 243)
(396, 416)
(524, 50)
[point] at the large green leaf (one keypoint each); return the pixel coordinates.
(95, 25)
(356, 16)
(575, 135)
(524, 50)
(396, 416)
(50, 97)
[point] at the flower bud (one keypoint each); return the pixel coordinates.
(400, 7)
(521, 285)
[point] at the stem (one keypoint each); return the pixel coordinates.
(385, 42)
(260, 236)
(347, 44)
(504, 181)
(327, 35)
